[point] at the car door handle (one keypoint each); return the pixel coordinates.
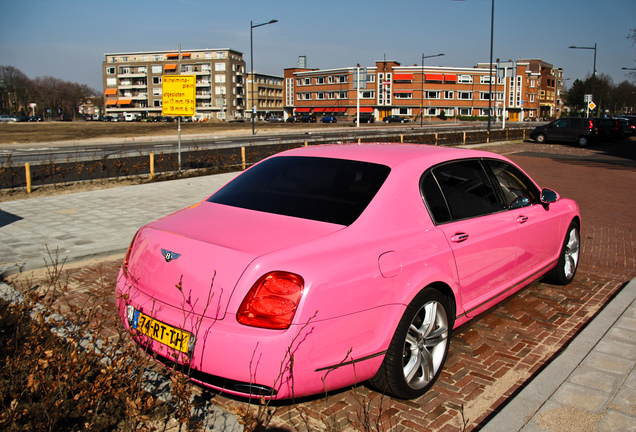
(459, 237)
(522, 219)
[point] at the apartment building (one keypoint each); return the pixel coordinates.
(414, 91)
(268, 95)
(133, 81)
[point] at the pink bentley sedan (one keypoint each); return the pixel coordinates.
(326, 266)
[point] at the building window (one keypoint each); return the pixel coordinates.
(341, 79)
(219, 67)
(369, 94)
(341, 95)
(124, 59)
(320, 95)
(531, 98)
(465, 79)
(156, 80)
(404, 111)
(401, 95)
(157, 58)
(320, 80)
(110, 71)
(464, 95)
(156, 103)
(449, 95)
(330, 79)
(433, 95)
(307, 81)
(464, 111)
(156, 91)
(111, 82)
(124, 70)
(449, 112)
(484, 79)
(156, 69)
(484, 95)
(331, 95)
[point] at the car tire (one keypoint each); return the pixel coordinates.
(568, 262)
(418, 349)
(583, 141)
(540, 138)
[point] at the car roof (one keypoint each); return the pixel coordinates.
(390, 154)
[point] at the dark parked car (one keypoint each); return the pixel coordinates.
(329, 119)
(308, 119)
(292, 119)
(608, 129)
(628, 125)
(567, 129)
(395, 119)
(365, 118)
(35, 118)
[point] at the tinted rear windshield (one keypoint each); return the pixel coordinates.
(322, 189)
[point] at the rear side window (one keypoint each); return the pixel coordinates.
(463, 188)
(322, 189)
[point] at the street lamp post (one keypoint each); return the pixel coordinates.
(594, 69)
(422, 95)
(252, 27)
(492, 28)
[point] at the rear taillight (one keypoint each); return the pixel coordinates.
(272, 301)
(124, 265)
(591, 126)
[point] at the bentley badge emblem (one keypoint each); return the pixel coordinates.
(169, 255)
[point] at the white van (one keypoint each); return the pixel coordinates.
(130, 116)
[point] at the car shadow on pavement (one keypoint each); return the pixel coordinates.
(7, 218)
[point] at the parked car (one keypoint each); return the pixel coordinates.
(308, 119)
(275, 119)
(365, 118)
(35, 118)
(608, 129)
(329, 119)
(567, 129)
(292, 119)
(7, 119)
(395, 119)
(294, 265)
(628, 125)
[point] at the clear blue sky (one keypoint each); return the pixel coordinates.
(67, 39)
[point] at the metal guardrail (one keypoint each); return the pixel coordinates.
(201, 158)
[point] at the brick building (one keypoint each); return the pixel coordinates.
(532, 90)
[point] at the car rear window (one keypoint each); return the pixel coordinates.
(322, 189)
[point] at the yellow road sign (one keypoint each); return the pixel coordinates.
(591, 106)
(178, 95)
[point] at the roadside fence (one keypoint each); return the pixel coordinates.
(205, 159)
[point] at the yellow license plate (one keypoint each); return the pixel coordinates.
(161, 332)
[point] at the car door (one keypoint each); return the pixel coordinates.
(468, 210)
(557, 130)
(538, 228)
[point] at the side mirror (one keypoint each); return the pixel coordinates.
(549, 196)
(519, 202)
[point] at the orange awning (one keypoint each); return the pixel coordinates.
(340, 109)
(434, 77)
(302, 109)
(450, 78)
(111, 102)
(319, 109)
(124, 101)
(403, 77)
(366, 110)
(170, 67)
(110, 92)
(185, 55)
(175, 55)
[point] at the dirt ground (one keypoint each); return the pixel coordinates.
(25, 133)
